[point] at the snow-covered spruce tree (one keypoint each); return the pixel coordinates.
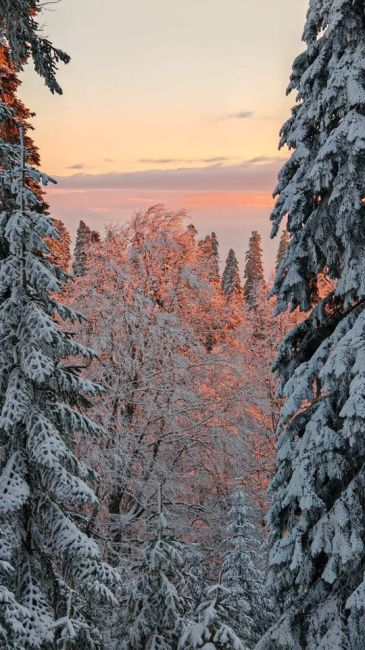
(212, 629)
(44, 496)
(318, 513)
(198, 568)
(215, 252)
(231, 281)
(85, 237)
(282, 248)
(254, 269)
(242, 573)
(158, 603)
(209, 251)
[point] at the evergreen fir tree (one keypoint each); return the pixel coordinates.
(282, 249)
(318, 512)
(85, 237)
(43, 486)
(231, 281)
(208, 248)
(212, 630)
(215, 253)
(241, 573)
(254, 269)
(43, 554)
(158, 603)
(197, 569)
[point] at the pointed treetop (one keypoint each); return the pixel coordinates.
(231, 280)
(157, 606)
(208, 248)
(85, 237)
(254, 268)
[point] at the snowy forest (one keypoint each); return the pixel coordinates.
(182, 455)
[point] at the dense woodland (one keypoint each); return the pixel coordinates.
(161, 488)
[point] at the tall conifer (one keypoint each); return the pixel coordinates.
(158, 603)
(85, 237)
(254, 269)
(318, 513)
(231, 281)
(215, 253)
(43, 486)
(208, 248)
(243, 575)
(48, 565)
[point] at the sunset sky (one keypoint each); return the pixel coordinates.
(173, 101)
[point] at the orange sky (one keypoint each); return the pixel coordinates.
(168, 101)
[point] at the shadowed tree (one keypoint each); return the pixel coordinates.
(158, 603)
(318, 513)
(282, 248)
(45, 556)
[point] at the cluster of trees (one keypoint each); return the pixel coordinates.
(142, 523)
(158, 364)
(185, 358)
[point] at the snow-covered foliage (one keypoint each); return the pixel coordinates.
(254, 269)
(243, 573)
(178, 407)
(209, 252)
(44, 491)
(231, 280)
(318, 514)
(257, 340)
(60, 248)
(158, 603)
(173, 409)
(282, 248)
(20, 27)
(85, 237)
(212, 628)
